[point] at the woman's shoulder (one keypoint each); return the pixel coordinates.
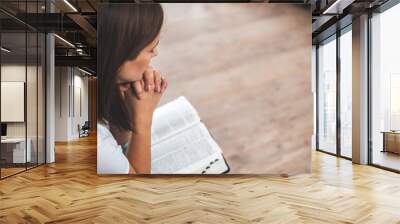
(104, 136)
(110, 158)
(103, 130)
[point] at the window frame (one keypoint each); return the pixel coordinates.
(378, 10)
(333, 37)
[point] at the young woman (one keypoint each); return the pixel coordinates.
(129, 89)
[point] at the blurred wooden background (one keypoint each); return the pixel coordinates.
(247, 70)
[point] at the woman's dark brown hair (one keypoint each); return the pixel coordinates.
(124, 30)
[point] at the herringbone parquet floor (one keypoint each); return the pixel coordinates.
(70, 191)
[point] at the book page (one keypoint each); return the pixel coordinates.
(172, 118)
(214, 164)
(184, 150)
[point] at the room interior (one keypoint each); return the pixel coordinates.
(27, 141)
(386, 83)
(335, 80)
(22, 101)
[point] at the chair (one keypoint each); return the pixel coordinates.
(84, 130)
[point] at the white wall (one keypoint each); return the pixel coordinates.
(17, 73)
(61, 103)
(80, 100)
(13, 73)
(70, 83)
(12, 100)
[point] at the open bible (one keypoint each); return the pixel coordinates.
(181, 143)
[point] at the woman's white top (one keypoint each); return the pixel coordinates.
(110, 157)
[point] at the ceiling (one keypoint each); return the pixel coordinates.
(72, 20)
(75, 22)
(331, 15)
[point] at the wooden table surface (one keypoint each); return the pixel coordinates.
(247, 69)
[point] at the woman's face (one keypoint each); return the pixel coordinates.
(133, 70)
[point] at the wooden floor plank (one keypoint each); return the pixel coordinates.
(70, 191)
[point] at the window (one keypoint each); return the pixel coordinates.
(22, 65)
(333, 137)
(385, 89)
(346, 92)
(327, 95)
